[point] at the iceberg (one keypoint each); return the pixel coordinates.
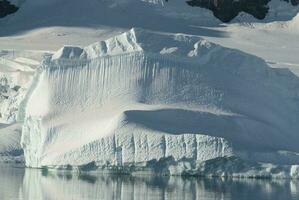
(143, 97)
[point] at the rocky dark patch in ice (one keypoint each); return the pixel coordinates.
(227, 10)
(7, 8)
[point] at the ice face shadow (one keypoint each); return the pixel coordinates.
(32, 184)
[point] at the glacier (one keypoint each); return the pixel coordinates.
(175, 100)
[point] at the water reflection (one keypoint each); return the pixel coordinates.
(16, 183)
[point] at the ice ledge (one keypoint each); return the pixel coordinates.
(142, 147)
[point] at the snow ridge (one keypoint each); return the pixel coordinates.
(138, 40)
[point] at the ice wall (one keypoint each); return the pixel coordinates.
(94, 103)
(143, 96)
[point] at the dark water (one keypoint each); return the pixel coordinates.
(18, 183)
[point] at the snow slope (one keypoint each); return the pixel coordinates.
(275, 42)
(22, 30)
(269, 38)
(143, 96)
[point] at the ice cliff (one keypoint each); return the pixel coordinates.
(142, 97)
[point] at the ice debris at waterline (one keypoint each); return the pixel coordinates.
(143, 97)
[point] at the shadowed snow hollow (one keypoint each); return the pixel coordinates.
(143, 96)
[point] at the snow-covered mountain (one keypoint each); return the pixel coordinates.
(224, 10)
(158, 97)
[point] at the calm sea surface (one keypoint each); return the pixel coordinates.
(20, 184)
